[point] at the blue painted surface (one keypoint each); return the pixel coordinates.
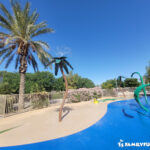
(124, 120)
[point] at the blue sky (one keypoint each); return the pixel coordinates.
(102, 38)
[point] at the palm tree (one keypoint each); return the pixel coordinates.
(17, 40)
(62, 64)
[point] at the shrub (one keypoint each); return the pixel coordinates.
(84, 94)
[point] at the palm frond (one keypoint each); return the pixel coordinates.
(26, 9)
(42, 44)
(9, 60)
(65, 67)
(3, 51)
(40, 50)
(29, 60)
(6, 55)
(4, 21)
(56, 68)
(42, 31)
(44, 60)
(17, 61)
(68, 64)
(36, 27)
(22, 26)
(50, 63)
(2, 34)
(19, 17)
(6, 12)
(34, 63)
(4, 26)
(10, 40)
(26, 18)
(33, 18)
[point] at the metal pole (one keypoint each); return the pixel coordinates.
(116, 86)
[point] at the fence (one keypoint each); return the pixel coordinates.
(9, 103)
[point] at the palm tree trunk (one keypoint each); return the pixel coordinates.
(22, 70)
(21, 91)
(65, 96)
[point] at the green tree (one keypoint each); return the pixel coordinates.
(109, 84)
(85, 83)
(21, 28)
(62, 64)
(35, 82)
(59, 84)
(131, 82)
(75, 81)
(10, 84)
(147, 74)
(42, 81)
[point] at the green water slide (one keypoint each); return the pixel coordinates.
(142, 83)
(136, 95)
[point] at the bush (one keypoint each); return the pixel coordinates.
(131, 82)
(109, 84)
(40, 103)
(84, 94)
(40, 100)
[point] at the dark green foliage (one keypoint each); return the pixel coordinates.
(85, 83)
(131, 82)
(35, 82)
(128, 82)
(147, 74)
(60, 63)
(75, 82)
(109, 84)
(40, 81)
(59, 84)
(10, 84)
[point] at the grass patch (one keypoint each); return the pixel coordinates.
(57, 95)
(6, 130)
(110, 99)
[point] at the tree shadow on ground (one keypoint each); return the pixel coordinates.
(66, 111)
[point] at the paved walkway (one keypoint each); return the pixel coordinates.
(42, 125)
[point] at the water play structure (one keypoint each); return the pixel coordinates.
(138, 90)
(137, 97)
(118, 126)
(142, 83)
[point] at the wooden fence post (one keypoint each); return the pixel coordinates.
(5, 102)
(2, 105)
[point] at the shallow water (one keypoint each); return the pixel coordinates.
(124, 122)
